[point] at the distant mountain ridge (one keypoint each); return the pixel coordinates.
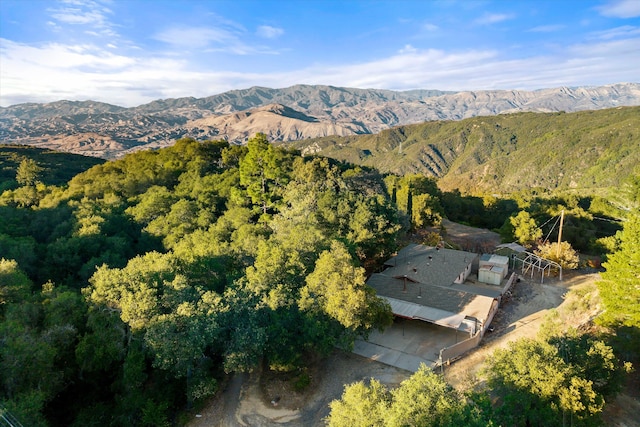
(295, 113)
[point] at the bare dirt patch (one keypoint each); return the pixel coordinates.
(470, 238)
(624, 410)
(253, 404)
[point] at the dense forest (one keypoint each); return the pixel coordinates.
(128, 291)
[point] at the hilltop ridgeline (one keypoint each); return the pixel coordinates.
(289, 114)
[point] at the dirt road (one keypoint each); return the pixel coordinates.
(254, 404)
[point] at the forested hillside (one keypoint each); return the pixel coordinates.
(53, 167)
(130, 291)
(588, 150)
(192, 261)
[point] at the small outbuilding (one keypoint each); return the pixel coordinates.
(492, 269)
(507, 249)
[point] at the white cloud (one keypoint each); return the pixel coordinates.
(88, 13)
(85, 71)
(621, 9)
(269, 32)
(56, 56)
(209, 40)
(430, 27)
(76, 16)
(55, 71)
(615, 33)
(197, 37)
(546, 28)
(493, 18)
(407, 49)
(53, 26)
(80, 72)
(586, 64)
(410, 69)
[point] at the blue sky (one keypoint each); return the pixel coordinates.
(134, 51)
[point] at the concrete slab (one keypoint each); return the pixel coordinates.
(408, 343)
(389, 356)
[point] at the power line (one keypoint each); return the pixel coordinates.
(547, 221)
(8, 419)
(552, 228)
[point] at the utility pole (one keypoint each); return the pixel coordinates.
(560, 233)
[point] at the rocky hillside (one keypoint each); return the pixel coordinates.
(295, 113)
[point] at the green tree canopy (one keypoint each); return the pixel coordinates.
(424, 399)
(338, 288)
(263, 172)
(525, 229)
(15, 286)
(619, 287)
(28, 172)
(538, 387)
(361, 405)
(561, 253)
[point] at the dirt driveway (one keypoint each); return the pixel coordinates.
(470, 238)
(254, 404)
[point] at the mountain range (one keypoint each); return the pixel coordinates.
(295, 113)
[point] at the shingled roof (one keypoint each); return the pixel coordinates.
(418, 284)
(426, 264)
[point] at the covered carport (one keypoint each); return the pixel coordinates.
(406, 344)
(418, 334)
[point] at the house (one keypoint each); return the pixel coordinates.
(427, 283)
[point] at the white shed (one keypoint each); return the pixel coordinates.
(492, 260)
(492, 275)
